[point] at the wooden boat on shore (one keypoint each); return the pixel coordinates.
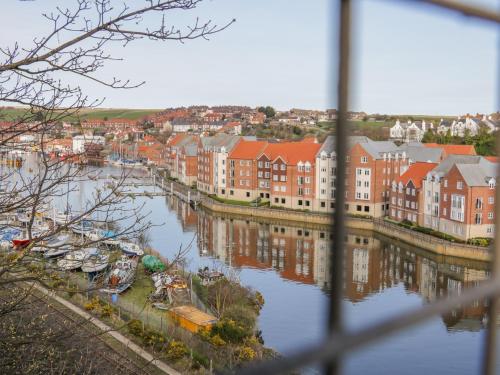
(95, 262)
(130, 248)
(121, 276)
(58, 251)
(72, 260)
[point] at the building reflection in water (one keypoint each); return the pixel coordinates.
(372, 262)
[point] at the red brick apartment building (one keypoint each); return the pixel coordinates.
(468, 201)
(291, 168)
(406, 196)
(242, 170)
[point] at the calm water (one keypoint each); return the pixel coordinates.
(288, 265)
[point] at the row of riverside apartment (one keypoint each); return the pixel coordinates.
(444, 187)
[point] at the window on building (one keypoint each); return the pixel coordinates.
(275, 167)
(323, 204)
(490, 215)
(283, 178)
(358, 208)
(276, 200)
(460, 185)
(445, 183)
(267, 164)
(283, 200)
(231, 192)
(259, 174)
(300, 191)
(308, 203)
(283, 167)
(479, 203)
(365, 196)
(364, 159)
(479, 218)
(491, 200)
(299, 202)
(275, 177)
(367, 208)
(248, 194)
(283, 188)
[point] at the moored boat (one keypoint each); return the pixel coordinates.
(95, 262)
(58, 251)
(130, 248)
(72, 260)
(121, 276)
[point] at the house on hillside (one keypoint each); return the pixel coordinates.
(410, 131)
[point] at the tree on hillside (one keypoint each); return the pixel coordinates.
(268, 111)
(43, 75)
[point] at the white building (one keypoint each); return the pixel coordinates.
(325, 177)
(409, 132)
(80, 141)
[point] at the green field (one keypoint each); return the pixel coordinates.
(11, 113)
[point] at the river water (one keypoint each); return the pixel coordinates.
(288, 264)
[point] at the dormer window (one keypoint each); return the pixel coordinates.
(491, 183)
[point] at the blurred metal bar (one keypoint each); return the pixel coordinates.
(335, 319)
(466, 9)
(336, 346)
(489, 359)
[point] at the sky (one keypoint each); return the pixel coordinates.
(406, 58)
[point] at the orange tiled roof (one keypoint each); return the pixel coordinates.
(293, 152)
(493, 159)
(247, 150)
(454, 149)
(416, 173)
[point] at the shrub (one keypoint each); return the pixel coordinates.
(93, 304)
(152, 338)
(106, 311)
(480, 241)
(199, 360)
(230, 331)
(245, 353)
(244, 317)
(176, 350)
(135, 327)
(216, 340)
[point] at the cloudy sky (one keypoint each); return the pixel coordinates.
(407, 59)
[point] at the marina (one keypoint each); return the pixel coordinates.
(286, 262)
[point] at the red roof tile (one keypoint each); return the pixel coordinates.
(247, 150)
(293, 152)
(416, 173)
(454, 149)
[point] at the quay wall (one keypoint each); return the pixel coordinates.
(379, 225)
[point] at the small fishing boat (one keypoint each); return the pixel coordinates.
(130, 248)
(22, 239)
(106, 236)
(208, 276)
(52, 243)
(121, 276)
(95, 262)
(58, 251)
(83, 227)
(63, 218)
(72, 260)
